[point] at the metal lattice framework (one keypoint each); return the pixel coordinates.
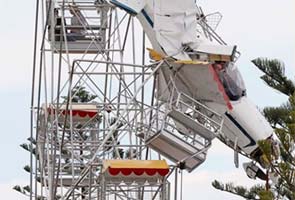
(124, 118)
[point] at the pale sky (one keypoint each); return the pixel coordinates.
(259, 28)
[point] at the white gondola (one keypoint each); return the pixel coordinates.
(184, 134)
(177, 149)
(82, 29)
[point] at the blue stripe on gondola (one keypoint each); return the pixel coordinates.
(252, 141)
(147, 17)
(124, 7)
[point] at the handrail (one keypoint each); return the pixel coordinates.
(195, 101)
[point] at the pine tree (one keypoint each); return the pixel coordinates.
(282, 119)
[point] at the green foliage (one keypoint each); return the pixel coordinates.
(277, 116)
(131, 153)
(18, 189)
(274, 75)
(32, 140)
(80, 95)
(241, 190)
(218, 185)
(27, 168)
(282, 119)
(265, 195)
(266, 147)
(24, 190)
(251, 193)
(27, 188)
(120, 152)
(25, 146)
(28, 147)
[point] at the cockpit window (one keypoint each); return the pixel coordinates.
(232, 82)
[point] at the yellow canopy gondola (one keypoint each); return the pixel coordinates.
(135, 169)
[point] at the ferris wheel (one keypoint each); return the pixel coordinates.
(95, 104)
(115, 116)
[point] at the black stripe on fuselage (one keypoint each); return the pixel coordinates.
(252, 141)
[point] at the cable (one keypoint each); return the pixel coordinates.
(32, 95)
(39, 90)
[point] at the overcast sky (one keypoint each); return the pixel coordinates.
(259, 28)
